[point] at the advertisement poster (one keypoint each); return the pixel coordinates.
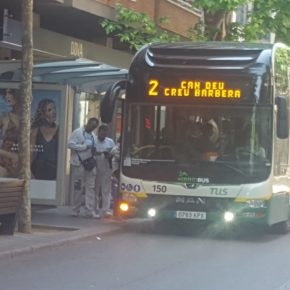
(45, 114)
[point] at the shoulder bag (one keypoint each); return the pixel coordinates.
(89, 163)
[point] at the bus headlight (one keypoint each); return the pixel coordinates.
(229, 216)
(151, 212)
(256, 203)
(124, 206)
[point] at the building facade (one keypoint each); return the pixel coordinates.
(70, 28)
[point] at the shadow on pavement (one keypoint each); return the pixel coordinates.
(246, 233)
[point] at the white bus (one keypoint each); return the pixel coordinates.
(205, 133)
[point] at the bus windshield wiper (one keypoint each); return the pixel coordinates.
(234, 168)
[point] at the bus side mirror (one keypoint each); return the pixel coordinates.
(282, 118)
(108, 103)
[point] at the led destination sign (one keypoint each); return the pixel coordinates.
(195, 89)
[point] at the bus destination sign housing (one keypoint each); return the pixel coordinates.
(208, 89)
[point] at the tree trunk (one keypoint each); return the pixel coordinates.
(24, 223)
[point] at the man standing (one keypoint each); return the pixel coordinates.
(83, 145)
(105, 151)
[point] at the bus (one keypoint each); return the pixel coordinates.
(205, 134)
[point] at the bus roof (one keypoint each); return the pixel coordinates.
(214, 45)
(208, 55)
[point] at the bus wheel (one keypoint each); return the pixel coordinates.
(280, 228)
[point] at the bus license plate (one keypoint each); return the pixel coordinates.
(194, 215)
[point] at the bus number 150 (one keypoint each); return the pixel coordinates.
(159, 188)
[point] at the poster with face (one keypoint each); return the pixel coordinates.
(46, 119)
(44, 133)
(9, 132)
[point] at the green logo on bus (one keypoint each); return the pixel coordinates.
(184, 177)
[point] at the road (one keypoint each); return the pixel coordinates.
(156, 260)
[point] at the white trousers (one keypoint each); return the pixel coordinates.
(103, 190)
(83, 189)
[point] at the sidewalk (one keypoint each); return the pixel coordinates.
(53, 227)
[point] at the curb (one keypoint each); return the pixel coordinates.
(73, 236)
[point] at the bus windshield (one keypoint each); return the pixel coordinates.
(197, 144)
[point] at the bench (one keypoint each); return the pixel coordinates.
(11, 192)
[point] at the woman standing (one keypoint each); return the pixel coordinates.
(44, 141)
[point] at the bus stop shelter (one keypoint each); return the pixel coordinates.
(76, 87)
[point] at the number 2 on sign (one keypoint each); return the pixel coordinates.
(153, 86)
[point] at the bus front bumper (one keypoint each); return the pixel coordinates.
(236, 213)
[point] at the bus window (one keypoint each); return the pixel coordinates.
(195, 135)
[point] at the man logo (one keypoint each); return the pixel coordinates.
(192, 200)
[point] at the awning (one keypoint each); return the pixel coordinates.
(81, 74)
